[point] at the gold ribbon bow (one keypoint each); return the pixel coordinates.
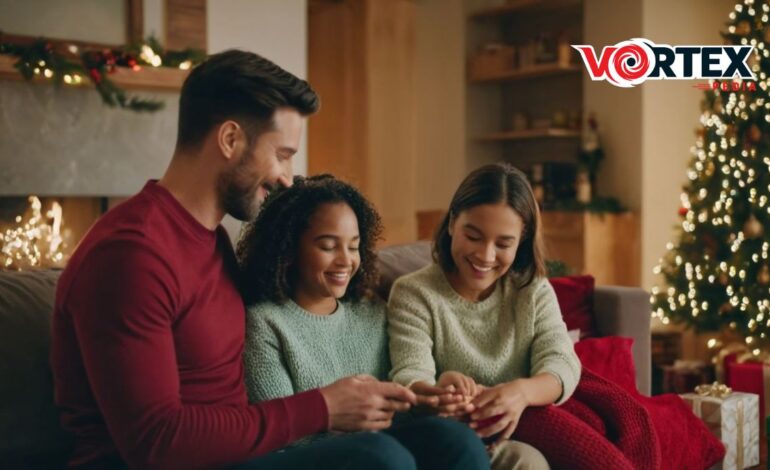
(716, 389)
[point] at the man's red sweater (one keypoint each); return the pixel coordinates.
(148, 331)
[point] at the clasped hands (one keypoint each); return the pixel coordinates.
(362, 403)
(490, 411)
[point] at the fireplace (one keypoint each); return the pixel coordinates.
(42, 232)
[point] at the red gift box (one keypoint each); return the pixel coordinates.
(743, 374)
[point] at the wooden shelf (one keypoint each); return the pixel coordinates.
(518, 6)
(530, 134)
(148, 78)
(535, 71)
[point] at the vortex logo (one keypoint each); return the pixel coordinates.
(630, 63)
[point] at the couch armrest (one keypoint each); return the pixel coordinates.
(625, 311)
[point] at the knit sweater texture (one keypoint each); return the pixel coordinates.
(513, 333)
(289, 349)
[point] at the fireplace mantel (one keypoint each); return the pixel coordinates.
(148, 78)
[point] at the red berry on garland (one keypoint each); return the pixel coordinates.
(682, 211)
(95, 75)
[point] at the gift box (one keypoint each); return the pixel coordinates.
(733, 418)
(684, 376)
(744, 374)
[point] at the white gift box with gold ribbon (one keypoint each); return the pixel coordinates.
(733, 417)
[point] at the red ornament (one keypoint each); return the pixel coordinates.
(754, 134)
(96, 76)
(682, 211)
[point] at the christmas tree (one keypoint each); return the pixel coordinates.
(717, 274)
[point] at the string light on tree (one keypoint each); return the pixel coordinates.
(716, 275)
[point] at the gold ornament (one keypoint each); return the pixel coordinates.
(767, 34)
(763, 277)
(723, 279)
(743, 28)
(727, 308)
(753, 60)
(718, 107)
(753, 228)
(710, 168)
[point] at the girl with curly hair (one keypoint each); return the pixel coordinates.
(308, 268)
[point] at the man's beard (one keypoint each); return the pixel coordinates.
(237, 189)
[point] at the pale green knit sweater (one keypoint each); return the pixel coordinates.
(511, 334)
(289, 350)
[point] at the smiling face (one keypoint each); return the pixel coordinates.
(262, 166)
(327, 259)
(484, 243)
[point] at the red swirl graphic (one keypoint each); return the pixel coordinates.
(624, 55)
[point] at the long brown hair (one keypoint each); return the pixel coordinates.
(497, 183)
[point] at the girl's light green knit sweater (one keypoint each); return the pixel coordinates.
(513, 333)
(289, 350)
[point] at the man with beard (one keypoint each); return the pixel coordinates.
(148, 326)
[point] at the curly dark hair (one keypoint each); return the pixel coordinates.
(269, 243)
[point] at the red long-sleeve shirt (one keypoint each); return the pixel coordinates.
(148, 332)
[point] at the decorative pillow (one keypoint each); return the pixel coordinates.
(609, 357)
(576, 300)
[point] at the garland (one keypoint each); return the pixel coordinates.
(71, 66)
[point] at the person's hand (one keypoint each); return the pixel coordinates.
(461, 382)
(498, 410)
(439, 400)
(363, 403)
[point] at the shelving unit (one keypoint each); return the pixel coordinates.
(537, 90)
(534, 71)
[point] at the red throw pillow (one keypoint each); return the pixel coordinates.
(576, 300)
(609, 357)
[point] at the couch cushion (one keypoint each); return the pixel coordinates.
(609, 357)
(576, 300)
(398, 260)
(29, 423)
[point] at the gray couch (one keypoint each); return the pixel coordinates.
(30, 436)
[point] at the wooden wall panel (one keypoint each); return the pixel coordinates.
(337, 137)
(361, 62)
(392, 166)
(185, 24)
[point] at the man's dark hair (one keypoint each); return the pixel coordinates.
(241, 86)
(497, 183)
(268, 246)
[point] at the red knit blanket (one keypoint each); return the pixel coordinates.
(604, 426)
